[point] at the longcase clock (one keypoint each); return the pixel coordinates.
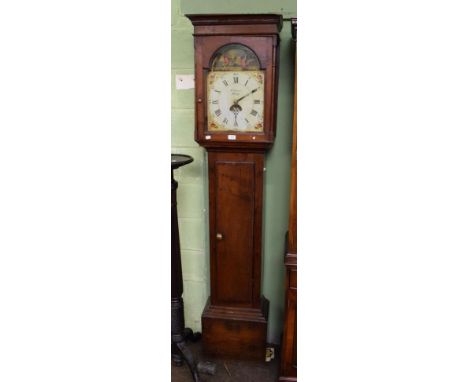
(236, 82)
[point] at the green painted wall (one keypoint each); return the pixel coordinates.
(193, 178)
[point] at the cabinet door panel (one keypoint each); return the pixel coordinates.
(235, 205)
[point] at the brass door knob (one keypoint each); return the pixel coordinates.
(219, 236)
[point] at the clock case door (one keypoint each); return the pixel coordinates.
(210, 35)
(236, 182)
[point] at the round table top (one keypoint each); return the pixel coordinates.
(178, 160)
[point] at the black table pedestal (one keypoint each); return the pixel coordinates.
(179, 334)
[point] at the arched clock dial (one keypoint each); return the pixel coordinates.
(235, 101)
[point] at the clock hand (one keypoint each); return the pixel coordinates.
(241, 98)
(235, 108)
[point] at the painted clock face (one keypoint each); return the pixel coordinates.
(235, 101)
(235, 91)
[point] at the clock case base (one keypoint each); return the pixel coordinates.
(235, 332)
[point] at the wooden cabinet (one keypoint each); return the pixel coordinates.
(289, 349)
(288, 369)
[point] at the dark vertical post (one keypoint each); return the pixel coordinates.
(177, 289)
(179, 350)
(179, 333)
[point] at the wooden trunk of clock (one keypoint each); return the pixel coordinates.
(235, 318)
(236, 78)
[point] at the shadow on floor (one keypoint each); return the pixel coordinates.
(229, 370)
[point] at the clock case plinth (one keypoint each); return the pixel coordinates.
(235, 332)
(235, 318)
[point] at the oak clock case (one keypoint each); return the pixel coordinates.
(236, 59)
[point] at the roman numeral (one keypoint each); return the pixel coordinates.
(257, 102)
(225, 120)
(215, 102)
(225, 83)
(246, 120)
(236, 80)
(218, 112)
(217, 91)
(254, 112)
(246, 82)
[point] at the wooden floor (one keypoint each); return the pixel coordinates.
(228, 370)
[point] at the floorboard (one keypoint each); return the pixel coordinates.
(229, 370)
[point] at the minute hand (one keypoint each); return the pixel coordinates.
(241, 98)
